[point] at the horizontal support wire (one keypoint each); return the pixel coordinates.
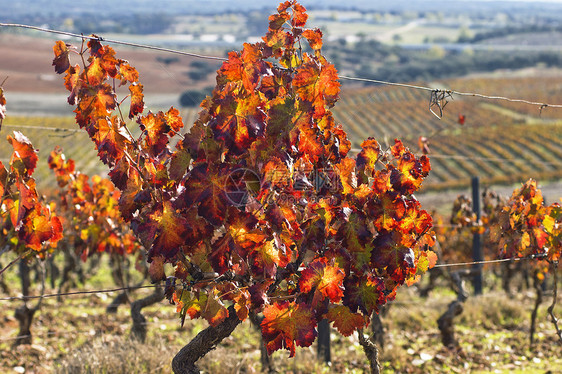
(451, 92)
(153, 286)
(434, 91)
(76, 293)
(47, 128)
(398, 303)
(100, 39)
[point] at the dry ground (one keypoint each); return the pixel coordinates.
(77, 336)
(26, 61)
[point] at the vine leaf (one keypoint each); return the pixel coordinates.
(398, 259)
(38, 228)
(156, 130)
(314, 38)
(170, 230)
(364, 293)
(112, 139)
(287, 324)
(323, 278)
(206, 186)
(24, 158)
(200, 304)
(61, 61)
(344, 320)
(137, 100)
(367, 158)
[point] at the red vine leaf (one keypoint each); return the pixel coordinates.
(324, 278)
(314, 38)
(363, 293)
(410, 172)
(207, 188)
(61, 62)
(170, 228)
(24, 158)
(174, 120)
(200, 305)
(317, 84)
(128, 73)
(156, 130)
(112, 139)
(367, 158)
(137, 100)
(299, 15)
(344, 320)
(286, 324)
(398, 259)
(73, 84)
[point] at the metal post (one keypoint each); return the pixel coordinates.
(476, 239)
(324, 353)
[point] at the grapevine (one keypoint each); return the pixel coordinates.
(528, 228)
(28, 226)
(27, 223)
(258, 207)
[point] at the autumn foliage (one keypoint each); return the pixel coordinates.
(90, 208)
(27, 223)
(528, 228)
(260, 204)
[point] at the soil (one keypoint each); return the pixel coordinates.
(26, 61)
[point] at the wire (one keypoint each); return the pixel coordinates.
(454, 92)
(153, 286)
(75, 293)
(56, 129)
(488, 261)
(416, 87)
(100, 39)
(434, 91)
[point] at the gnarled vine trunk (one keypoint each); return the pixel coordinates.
(371, 351)
(24, 314)
(538, 288)
(121, 298)
(455, 308)
(138, 331)
(204, 342)
(377, 328)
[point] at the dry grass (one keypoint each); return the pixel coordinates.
(118, 355)
(78, 337)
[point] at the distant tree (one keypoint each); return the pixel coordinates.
(200, 70)
(167, 60)
(192, 98)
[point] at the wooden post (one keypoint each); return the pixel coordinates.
(324, 353)
(476, 239)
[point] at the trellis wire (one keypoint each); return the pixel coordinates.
(437, 98)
